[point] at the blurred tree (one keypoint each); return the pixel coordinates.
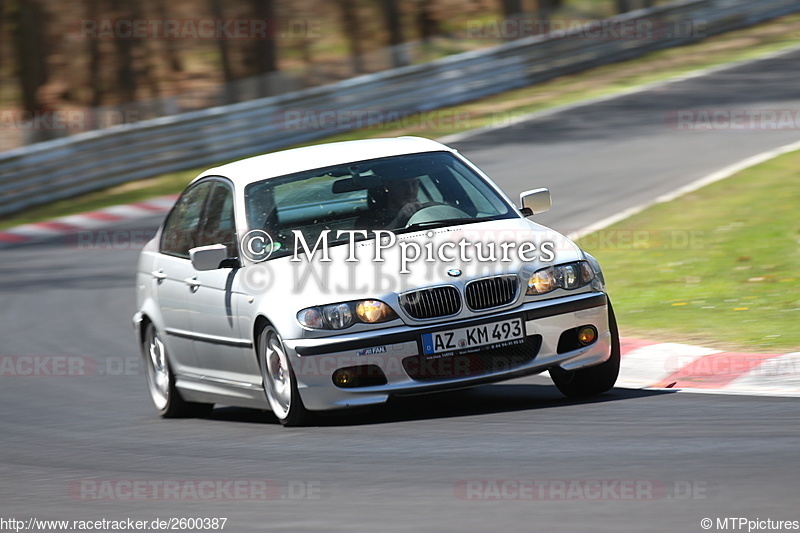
(623, 6)
(545, 9)
(30, 30)
(301, 31)
(351, 27)
(394, 24)
(427, 22)
(512, 8)
(171, 51)
(146, 55)
(126, 71)
(265, 50)
(95, 74)
(224, 55)
(2, 28)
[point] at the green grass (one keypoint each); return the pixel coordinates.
(502, 108)
(718, 267)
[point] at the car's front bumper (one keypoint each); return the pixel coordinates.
(315, 361)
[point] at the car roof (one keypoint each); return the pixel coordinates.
(285, 162)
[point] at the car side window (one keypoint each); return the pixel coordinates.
(219, 225)
(180, 229)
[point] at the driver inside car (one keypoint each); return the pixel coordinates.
(391, 205)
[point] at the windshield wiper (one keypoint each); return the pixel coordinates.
(433, 224)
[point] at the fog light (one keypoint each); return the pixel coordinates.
(344, 377)
(587, 335)
(359, 376)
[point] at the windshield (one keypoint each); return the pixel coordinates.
(400, 193)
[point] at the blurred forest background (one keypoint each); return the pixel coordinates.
(74, 55)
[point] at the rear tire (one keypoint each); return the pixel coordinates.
(280, 383)
(595, 379)
(161, 381)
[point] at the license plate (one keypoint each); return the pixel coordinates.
(473, 336)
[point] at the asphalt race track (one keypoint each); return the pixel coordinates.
(459, 461)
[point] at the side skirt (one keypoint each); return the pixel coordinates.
(205, 390)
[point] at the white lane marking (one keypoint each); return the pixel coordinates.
(606, 97)
(726, 172)
(650, 364)
(729, 392)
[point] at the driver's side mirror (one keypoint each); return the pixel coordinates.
(535, 202)
(211, 257)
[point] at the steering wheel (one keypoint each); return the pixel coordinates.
(434, 211)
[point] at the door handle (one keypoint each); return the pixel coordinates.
(159, 274)
(192, 282)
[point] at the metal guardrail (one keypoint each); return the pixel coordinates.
(85, 162)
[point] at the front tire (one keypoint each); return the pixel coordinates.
(595, 379)
(280, 383)
(161, 381)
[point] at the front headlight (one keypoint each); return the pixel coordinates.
(568, 276)
(373, 311)
(345, 314)
(339, 316)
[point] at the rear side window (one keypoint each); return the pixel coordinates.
(180, 229)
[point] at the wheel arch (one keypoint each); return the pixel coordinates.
(143, 323)
(260, 323)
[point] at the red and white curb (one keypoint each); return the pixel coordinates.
(697, 369)
(72, 224)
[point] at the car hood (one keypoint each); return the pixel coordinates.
(352, 272)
